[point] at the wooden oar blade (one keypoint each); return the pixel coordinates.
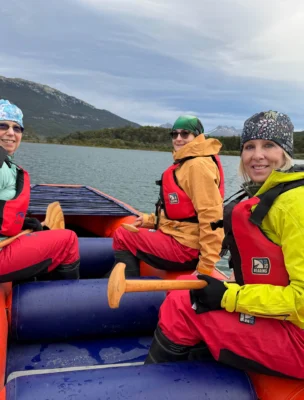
(54, 218)
(130, 227)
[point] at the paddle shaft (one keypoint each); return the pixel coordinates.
(9, 240)
(51, 207)
(159, 285)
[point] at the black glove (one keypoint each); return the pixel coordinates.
(209, 298)
(32, 223)
(3, 156)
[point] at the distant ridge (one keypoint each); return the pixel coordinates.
(49, 112)
(224, 131)
(166, 125)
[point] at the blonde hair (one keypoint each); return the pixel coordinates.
(288, 162)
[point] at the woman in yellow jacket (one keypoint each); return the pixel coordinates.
(256, 323)
(179, 236)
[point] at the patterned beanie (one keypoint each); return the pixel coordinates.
(189, 123)
(10, 112)
(269, 125)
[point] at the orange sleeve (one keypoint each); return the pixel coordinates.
(202, 188)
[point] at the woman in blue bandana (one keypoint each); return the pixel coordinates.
(43, 251)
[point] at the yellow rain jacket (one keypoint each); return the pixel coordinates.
(283, 225)
(199, 178)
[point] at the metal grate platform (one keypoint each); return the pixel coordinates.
(76, 200)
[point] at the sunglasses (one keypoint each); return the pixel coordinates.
(5, 127)
(183, 134)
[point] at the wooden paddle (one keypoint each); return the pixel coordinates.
(54, 219)
(130, 227)
(118, 285)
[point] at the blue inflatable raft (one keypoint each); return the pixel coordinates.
(60, 340)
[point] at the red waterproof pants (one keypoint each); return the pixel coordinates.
(157, 249)
(37, 252)
(265, 345)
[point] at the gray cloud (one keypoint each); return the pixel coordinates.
(150, 61)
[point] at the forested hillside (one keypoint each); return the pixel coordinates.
(150, 138)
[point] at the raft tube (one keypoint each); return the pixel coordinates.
(97, 258)
(56, 310)
(148, 382)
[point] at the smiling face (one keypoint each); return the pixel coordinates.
(183, 137)
(260, 157)
(10, 136)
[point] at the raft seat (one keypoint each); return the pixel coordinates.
(79, 310)
(25, 358)
(147, 382)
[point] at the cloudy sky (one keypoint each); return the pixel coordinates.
(151, 60)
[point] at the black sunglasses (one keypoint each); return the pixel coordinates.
(183, 134)
(16, 128)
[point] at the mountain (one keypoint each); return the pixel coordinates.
(224, 131)
(166, 125)
(49, 112)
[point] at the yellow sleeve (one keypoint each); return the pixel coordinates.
(285, 303)
(202, 188)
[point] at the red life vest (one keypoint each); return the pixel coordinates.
(173, 200)
(12, 212)
(254, 258)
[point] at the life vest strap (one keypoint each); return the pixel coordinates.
(268, 198)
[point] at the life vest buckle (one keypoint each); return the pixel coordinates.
(217, 224)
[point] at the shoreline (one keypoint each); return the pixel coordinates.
(297, 156)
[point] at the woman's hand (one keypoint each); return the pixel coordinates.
(208, 298)
(32, 223)
(139, 222)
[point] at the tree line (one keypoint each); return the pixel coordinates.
(143, 138)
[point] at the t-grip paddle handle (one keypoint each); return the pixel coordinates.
(118, 285)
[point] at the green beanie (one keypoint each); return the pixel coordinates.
(189, 123)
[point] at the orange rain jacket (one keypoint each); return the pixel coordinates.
(199, 178)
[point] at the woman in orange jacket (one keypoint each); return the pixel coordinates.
(179, 236)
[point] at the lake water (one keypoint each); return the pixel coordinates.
(128, 175)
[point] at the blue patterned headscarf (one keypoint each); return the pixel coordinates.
(10, 112)
(269, 125)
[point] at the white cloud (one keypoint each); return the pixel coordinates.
(257, 39)
(151, 60)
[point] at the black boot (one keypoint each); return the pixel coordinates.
(163, 350)
(64, 272)
(132, 263)
(200, 352)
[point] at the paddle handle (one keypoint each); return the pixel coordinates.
(158, 285)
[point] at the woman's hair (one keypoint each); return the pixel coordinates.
(286, 166)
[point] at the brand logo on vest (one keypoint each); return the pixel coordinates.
(260, 266)
(173, 198)
(247, 319)
(19, 218)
